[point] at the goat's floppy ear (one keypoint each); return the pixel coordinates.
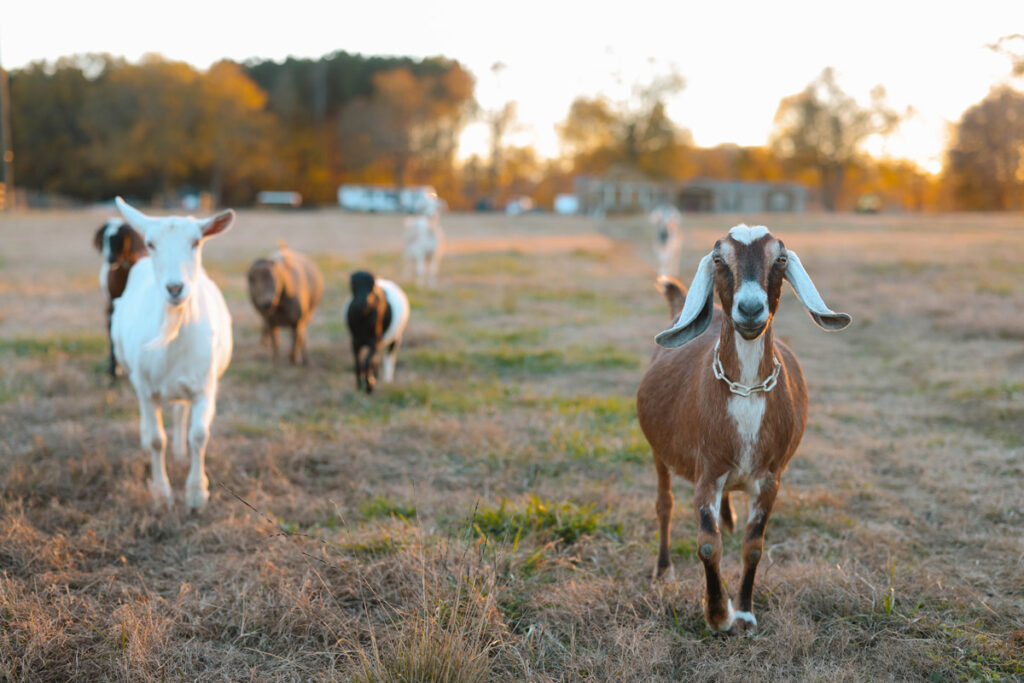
(218, 224)
(97, 240)
(135, 218)
(697, 310)
(826, 318)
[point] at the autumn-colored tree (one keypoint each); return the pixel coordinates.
(636, 134)
(823, 128)
(985, 160)
(411, 120)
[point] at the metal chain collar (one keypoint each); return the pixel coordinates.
(742, 389)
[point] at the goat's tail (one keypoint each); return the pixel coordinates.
(674, 292)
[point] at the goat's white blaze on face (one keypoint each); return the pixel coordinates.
(751, 256)
(748, 235)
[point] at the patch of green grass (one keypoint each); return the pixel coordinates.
(584, 444)
(41, 347)
(522, 335)
(503, 263)
(565, 522)
(604, 428)
(253, 430)
(790, 520)
(380, 545)
(1004, 389)
(381, 506)
(997, 287)
(508, 359)
(462, 399)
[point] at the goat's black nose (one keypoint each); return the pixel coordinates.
(751, 309)
(175, 289)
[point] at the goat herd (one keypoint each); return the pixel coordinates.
(723, 403)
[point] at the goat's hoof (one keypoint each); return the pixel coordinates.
(720, 622)
(665, 573)
(744, 624)
(161, 493)
(196, 497)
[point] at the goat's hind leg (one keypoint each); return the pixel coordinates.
(727, 515)
(179, 431)
(663, 506)
(388, 361)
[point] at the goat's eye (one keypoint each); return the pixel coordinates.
(717, 259)
(150, 246)
(781, 260)
(195, 244)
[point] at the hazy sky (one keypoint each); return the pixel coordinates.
(738, 58)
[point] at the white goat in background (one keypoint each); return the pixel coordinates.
(668, 238)
(171, 332)
(424, 245)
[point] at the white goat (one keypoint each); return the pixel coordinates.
(724, 403)
(172, 334)
(667, 238)
(424, 245)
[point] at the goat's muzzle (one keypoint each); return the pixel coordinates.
(175, 293)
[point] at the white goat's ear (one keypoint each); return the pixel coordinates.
(826, 318)
(218, 224)
(697, 310)
(135, 218)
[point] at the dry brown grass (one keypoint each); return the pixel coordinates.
(399, 537)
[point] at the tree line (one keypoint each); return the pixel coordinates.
(92, 126)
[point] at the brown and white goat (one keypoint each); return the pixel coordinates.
(121, 247)
(724, 404)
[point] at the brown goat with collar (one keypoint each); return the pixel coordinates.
(724, 404)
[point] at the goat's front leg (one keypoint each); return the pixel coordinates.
(293, 355)
(151, 432)
(663, 506)
(358, 365)
(272, 331)
(370, 368)
(112, 369)
(707, 499)
(421, 269)
(197, 486)
(435, 266)
(301, 339)
(753, 546)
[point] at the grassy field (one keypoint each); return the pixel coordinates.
(490, 516)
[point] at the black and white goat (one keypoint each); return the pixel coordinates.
(377, 314)
(121, 247)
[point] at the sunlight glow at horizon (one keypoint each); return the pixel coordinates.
(738, 59)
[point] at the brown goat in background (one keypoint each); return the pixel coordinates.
(286, 288)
